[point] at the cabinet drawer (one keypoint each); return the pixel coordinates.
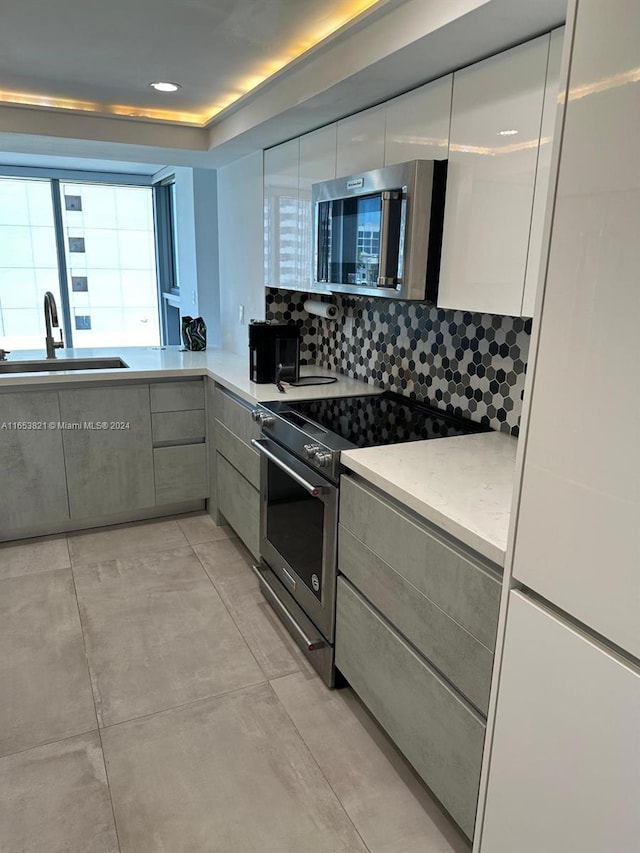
(178, 426)
(466, 591)
(439, 734)
(177, 396)
(241, 456)
(239, 502)
(180, 473)
(455, 652)
(235, 415)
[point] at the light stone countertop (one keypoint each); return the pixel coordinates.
(463, 485)
(156, 363)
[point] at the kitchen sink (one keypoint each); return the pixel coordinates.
(48, 364)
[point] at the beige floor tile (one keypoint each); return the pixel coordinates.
(125, 540)
(228, 568)
(44, 681)
(55, 799)
(227, 559)
(28, 556)
(389, 807)
(202, 528)
(158, 635)
(229, 774)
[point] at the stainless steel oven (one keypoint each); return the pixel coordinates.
(298, 546)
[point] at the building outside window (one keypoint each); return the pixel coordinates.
(93, 246)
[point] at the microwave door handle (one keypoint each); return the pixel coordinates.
(314, 490)
(387, 277)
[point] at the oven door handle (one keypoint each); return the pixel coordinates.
(313, 489)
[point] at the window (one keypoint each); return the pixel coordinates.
(167, 258)
(93, 246)
(28, 261)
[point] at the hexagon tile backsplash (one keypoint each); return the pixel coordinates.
(470, 364)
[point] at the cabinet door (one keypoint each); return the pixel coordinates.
(108, 470)
(417, 125)
(493, 151)
(543, 172)
(565, 763)
(361, 142)
(34, 490)
(239, 503)
(317, 163)
(281, 215)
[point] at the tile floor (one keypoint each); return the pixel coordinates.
(151, 702)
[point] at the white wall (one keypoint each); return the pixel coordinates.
(240, 240)
(205, 212)
(197, 239)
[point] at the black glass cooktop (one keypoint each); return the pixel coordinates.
(384, 419)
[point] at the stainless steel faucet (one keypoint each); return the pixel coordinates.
(51, 319)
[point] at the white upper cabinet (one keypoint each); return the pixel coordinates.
(493, 152)
(361, 142)
(281, 215)
(417, 126)
(317, 163)
(543, 173)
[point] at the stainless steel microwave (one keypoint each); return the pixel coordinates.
(379, 233)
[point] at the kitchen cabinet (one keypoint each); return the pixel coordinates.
(437, 731)
(577, 535)
(317, 163)
(361, 142)
(179, 433)
(34, 489)
(543, 173)
(415, 636)
(417, 124)
(108, 470)
(180, 473)
(239, 503)
(565, 764)
(493, 152)
(282, 216)
(237, 467)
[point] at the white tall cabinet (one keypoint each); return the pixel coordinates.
(564, 768)
(565, 774)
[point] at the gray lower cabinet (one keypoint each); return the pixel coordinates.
(463, 586)
(180, 473)
(438, 732)
(109, 471)
(242, 456)
(237, 467)
(34, 489)
(177, 396)
(239, 503)
(456, 653)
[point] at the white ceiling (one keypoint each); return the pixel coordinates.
(395, 46)
(104, 53)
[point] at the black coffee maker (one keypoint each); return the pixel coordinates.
(272, 345)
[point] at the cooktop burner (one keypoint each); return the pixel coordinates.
(384, 419)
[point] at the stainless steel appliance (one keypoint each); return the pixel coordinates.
(300, 449)
(379, 233)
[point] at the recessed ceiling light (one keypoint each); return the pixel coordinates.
(165, 87)
(509, 132)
